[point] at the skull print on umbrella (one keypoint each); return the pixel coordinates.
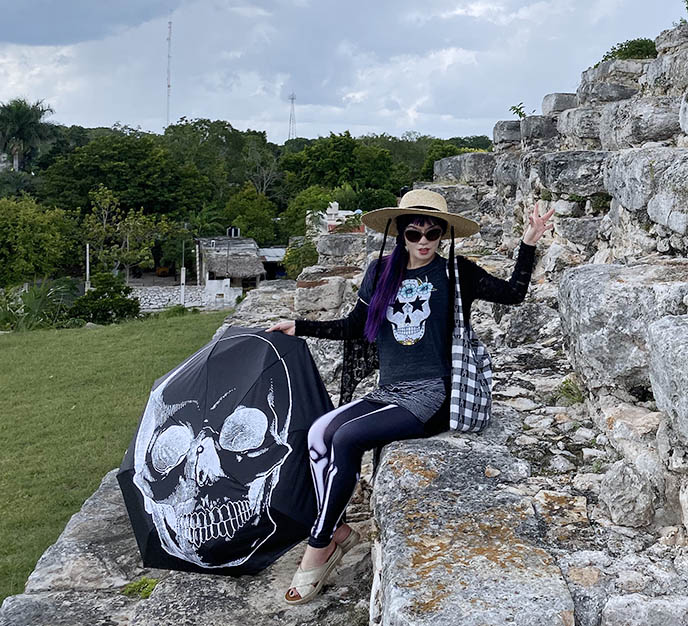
(213, 444)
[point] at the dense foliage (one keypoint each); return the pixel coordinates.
(107, 302)
(632, 49)
(300, 254)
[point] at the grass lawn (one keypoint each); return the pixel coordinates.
(70, 401)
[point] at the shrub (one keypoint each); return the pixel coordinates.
(632, 49)
(299, 256)
(371, 199)
(349, 225)
(43, 305)
(107, 302)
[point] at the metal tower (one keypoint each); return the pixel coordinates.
(169, 63)
(292, 118)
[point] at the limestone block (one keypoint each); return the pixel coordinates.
(272, 301)
(683, 113)
(448, 550)
(461, 199)
(507, 132)
(537, 130)
(566, 208)
(506, 169)
(669, 206)
(636, 609)
(581, 127)
(632, 175)
(634, 122)
(573, 171)
(672, 451)
(627, 495)
(531, 322)
(669, 370)
(324, 294)
(610, 81)
(468, 168)
(554, 103)
(557, 258)
(668, 73)
(529, 172)
(581, 230)
(341, 249)
(605, 312)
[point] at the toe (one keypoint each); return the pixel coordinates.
(292, 594)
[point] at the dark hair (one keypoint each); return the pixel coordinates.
(390, 271)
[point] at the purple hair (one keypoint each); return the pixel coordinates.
(390, 271)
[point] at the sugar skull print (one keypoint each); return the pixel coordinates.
(409, 311)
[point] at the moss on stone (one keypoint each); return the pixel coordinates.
(142, 588)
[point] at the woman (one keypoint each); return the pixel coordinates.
(405, 305)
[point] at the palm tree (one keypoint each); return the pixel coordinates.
(22, 128)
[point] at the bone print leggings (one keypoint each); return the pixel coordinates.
(336, 443)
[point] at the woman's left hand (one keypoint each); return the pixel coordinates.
(537, 225)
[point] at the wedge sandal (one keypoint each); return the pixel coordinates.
(304, 580)
(351, 540)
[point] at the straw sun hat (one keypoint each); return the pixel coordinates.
(420, 202)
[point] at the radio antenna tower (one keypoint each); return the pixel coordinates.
(292, 118)
(169, 63)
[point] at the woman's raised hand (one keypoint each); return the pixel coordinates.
(288, 328)
(537, 225)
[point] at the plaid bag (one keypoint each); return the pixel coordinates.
(471, 395)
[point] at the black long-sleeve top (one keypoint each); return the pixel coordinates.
(475, 284)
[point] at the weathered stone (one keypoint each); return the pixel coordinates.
(580, 127)
(605, 312)
(672, 451)
(669, 370)
(557, 102)
(271, 301)
(319, 295)
(471, 552)
(468, 168)
(634, 122)
(668, 73)
(461, 199)
(523, 330)
(581, 230)
(537, 130)
(669, 206)
(566, 208)
(640, 610)
(557, 258)
(560, 508)
(342, 249)
(506, 169)
(507, 132)
(610, 81)
(683, 112)
(632, 176)
(627, 495)
(573, 171)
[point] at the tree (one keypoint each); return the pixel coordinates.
(108, 302)
(139, 171)
(33, 240)
(253, 214)
(119, 239)
(262, 166)
(22, 129)
(312, 200)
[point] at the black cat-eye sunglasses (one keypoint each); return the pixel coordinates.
(414, 236)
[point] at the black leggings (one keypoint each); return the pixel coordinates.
(336, 443)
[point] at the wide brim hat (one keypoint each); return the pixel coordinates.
(420, 202)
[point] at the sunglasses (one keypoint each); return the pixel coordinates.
(414, 236)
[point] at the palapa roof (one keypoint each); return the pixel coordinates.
(233, 265)
(272, 255)
(236, 245)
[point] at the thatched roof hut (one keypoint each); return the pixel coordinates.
(236, 258)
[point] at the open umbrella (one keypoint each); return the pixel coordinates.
(217, 476)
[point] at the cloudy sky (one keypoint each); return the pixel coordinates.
(440, 67)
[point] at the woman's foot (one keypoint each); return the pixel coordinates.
(342, 533)
(312, 558)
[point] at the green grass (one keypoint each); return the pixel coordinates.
(70, 401)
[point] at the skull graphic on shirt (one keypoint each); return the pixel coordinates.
(410, 310)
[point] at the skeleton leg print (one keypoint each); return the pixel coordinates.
(336, 442)
(410, 309)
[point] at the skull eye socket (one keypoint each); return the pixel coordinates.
(243, 430)
(170, 448)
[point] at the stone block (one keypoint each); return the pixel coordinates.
(635, 122)
(581, 126)
(554, 103)
(573, 171)
(668, 73)
(669, 370)
(669, 206)
(606, 311)
(469, 168)
(341, 249)
(538, 130)
(610, 81)
(580, 230)
(506, 169)
(323, 294)
(632, 175)
(506, 131)
(683, 112)
(461, 199)
(637, 609)
(628, 495)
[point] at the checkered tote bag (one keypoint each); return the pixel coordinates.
(471, 395)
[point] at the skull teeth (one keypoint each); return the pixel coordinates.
(220, 521)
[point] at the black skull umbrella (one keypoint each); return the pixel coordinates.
(216, 478)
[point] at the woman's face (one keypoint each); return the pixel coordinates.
(422, 251)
